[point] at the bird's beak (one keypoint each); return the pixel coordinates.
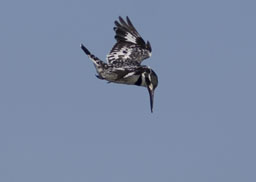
(151, 95)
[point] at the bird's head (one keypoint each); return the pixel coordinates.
(151, 82)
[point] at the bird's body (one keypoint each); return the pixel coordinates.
(124, 60)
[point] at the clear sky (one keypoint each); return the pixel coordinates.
(58, 122)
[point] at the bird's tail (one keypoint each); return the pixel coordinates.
(94, 59)
(99, 65)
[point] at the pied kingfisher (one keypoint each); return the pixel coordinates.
(124, 60)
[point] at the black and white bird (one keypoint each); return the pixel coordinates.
(124, 60)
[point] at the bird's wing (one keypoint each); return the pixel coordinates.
(130, 47)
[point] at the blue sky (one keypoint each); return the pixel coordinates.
(58, 122)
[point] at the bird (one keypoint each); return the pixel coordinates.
(123, 64)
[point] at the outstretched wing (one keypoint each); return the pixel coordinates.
(130, 46)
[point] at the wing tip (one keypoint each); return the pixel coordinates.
(148, 46)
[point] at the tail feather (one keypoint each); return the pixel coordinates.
(99, 65)
(85, 50)
(94, 59)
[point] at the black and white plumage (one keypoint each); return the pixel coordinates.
(124, 60)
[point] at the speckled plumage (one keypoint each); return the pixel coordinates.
(124, 60)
